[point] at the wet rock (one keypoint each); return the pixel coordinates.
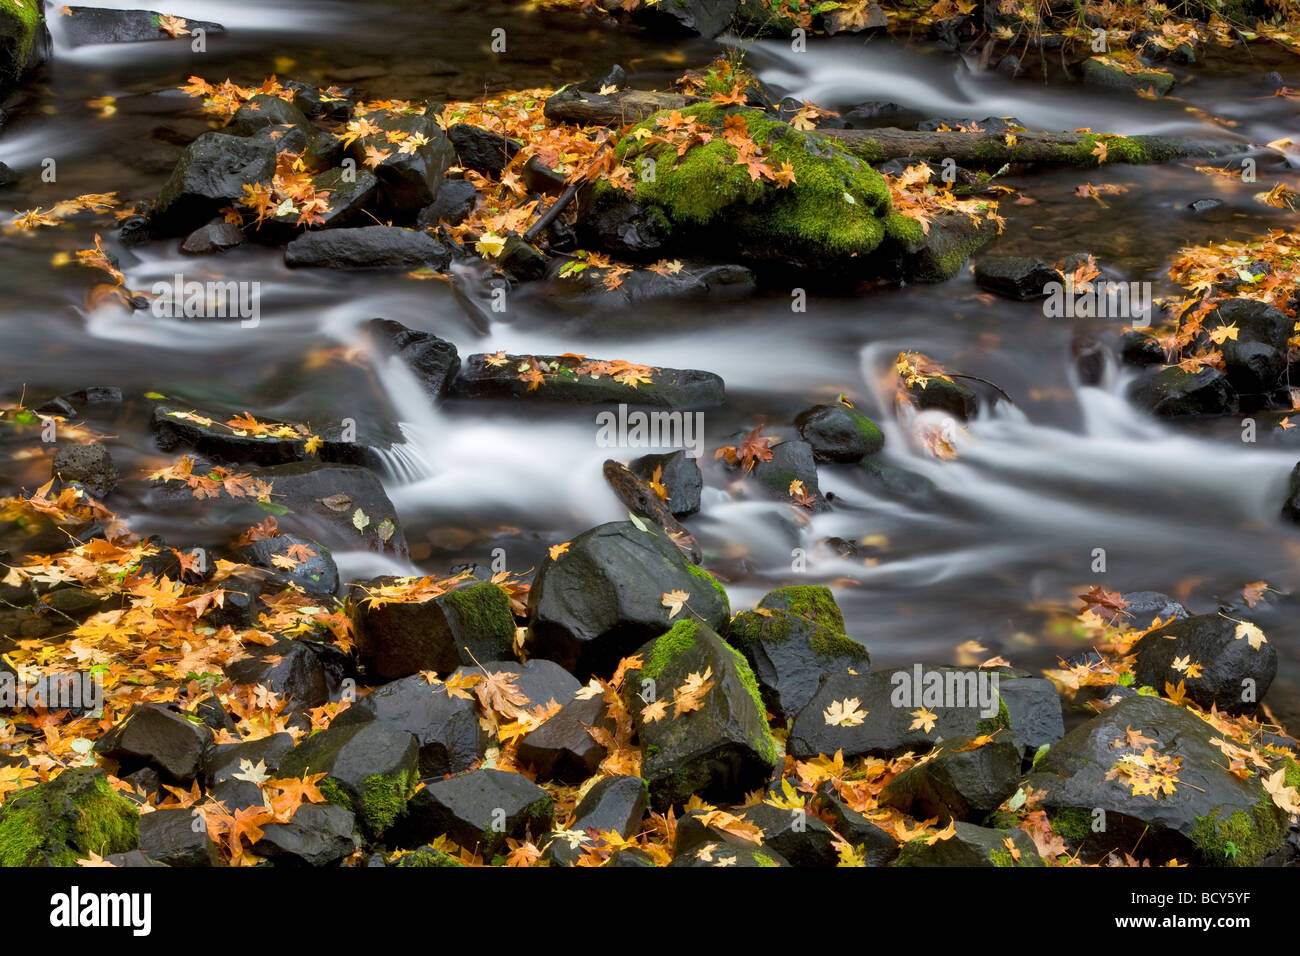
(1145, 606)
(603, 597)
(341, 506)
(540, 178)
(65, 820)
(838, 433)
(408, 181)
(520, 260)
(154, 735)
(371, 768)
(1034, 709)
(171, 837)
(730, 855)
(1015, 277)
(614, 804)
(446, 727)
(399, 638)
(934, 256)
(7, 176)
(562, 748)
(1174, 393)
(351, 193)
(133, 859)
(298, 671)
(1235, 672)
(1139, 347)
(540, 681)
(586, 291)
(498, 377)
(794, 639)
(210, 174)
(94, 400)
(434, 361)
(317, 835)
(791, 461)
(872, 114)
(898, 482)
(331, 103)
(960, 779)
(215, 237)
(801, 838)
(721, 750)
(630, 857)
(961, 699)
(876, 846)
(1256, 359)
(706, 18)
(228, 763)
(1210, 815)
(845, 20)
(1291, 507)
(213, 438)
(293, 560)
(456, 200)
(423, 856)
(1102, 71)
(90, 465)
(83, 26)
(1201, 206)
(615, 222)
(479, 810)
(367, 247)
(944, 395)
(973, 846)
(680, 476)
(481, 150)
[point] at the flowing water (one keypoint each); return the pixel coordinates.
(1012, 527)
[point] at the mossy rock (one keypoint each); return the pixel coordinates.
(722, 750)
(21, 27)
(427, 856)
(57, 823)
(829, 218)
(1206, 815)
(972, 846)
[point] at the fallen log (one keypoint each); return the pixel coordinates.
(641, 500)
(617, 109)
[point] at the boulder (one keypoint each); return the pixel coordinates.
(1148, 769)
(83, 26)
(1015, 277)
(679, 474)
(478, 810)
(456, 200)
(705, 18)
(562, 748)
(432, 360)
(367, 247)
(446, 727)
(317, 835)
(720, 750)
(973, 845)
(293, 560)
(794, 639)
(729, 854)
(1235, 661)
(791, 461)
(211, 174)
(157, 736)
(614, 804)
(213, 238)
(371, 768)
(876, 846)
(400, 638)
(961, 779)
(24, 42)
(304, 674)
(1104, 71)
(838, 433)
(90, 465)
(602, 597)
(1173, 393)
(65, 820)
(1256, 360)
(481, 150)
(1034, 709)
(801, 838)
(171, 837)
(569, 379)
(902, 709)
(228, 763)
(408, 180)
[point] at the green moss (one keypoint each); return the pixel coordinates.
(813, 601)
(828, 643)
(834, 206)
(481, 609)
(765, 743)
(19, 25)
(1291, 777)
(668, 646)
(1072, 823)
(383, 798)
(763, 860)
(904, 229)
(335, 794)
(427, 856)
(1243, 839)
(698, 572)
(1002, 721)
(57, 823)
(1001, 858)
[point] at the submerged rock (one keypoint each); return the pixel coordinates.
(1015, 277)
(720, 750)
(602, 597)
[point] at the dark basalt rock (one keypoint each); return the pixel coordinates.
(408, 181)
(434, 361)
(90, 465)
(397, 639)
(1173, 393)
(603, 597)
(481, 150)
(446, 727)
(313, 568)
(367, 247)
(211, 174)
(479, 809)
(972, 846)
(456, 200)
(84, 26)
(562, 748)
(838, 433)
(1235, 675)
(215, 237)
(680, 476)
(154, 735)
(171, 837)
(317, 835)
(614, 804)
(959, 780)
(1015, 277)
(705, 18)
(305, 674)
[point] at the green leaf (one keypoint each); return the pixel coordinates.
(638, 522)
(360, 519)
(1017, 801)
(272, 508)
(386, 529)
